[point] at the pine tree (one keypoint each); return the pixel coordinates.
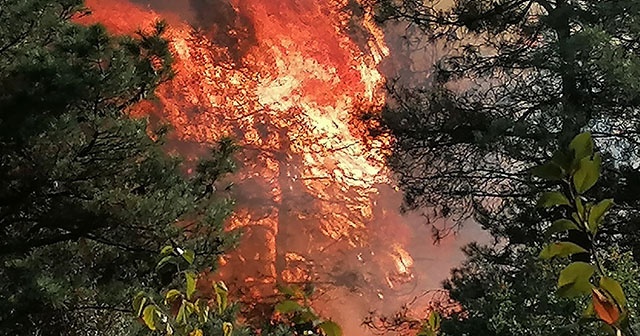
(522, 78)
(88, 195)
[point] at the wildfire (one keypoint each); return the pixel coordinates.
(290, 87)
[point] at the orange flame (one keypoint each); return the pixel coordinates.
(290, 89)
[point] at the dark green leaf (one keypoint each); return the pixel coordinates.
(549, 171)
(138, 303)
(191, 283)
(587, 174)
(614, 288)
(563, 159)
(574, 279)
(330, 328)
(166, 260)
(551, 199)
(582, 146)
(189, 256)
(288, 306)
(607, 329)
(561, 225)
(560, 249)
(597, 213)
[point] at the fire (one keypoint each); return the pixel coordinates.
(290, 88)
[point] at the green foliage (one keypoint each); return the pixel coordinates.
(187, 311)
(519, 79)
(88, 195)
(574, 279)
(516, 80)
(609, 303)
(551, 199)
(301, 317)
(432, 325)
(561, 225)
(508, 292)
(561, 249)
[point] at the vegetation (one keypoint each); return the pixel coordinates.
(578, 171)
(521, 79)
(88, 196)
(101, 225)
(192, 305)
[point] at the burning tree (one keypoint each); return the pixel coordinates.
(290, 81)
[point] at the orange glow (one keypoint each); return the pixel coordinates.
(312, 181)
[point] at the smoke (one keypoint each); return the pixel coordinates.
(217, 20)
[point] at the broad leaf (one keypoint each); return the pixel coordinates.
(563, 159)
(582, 146)
(561, 225)
(330, 328)
(227, 329)
(549, 171)
(587, 174)
(166, 260)
(288, 306)
(293, 291)
(604, 308)
(574, 279)
(138, 303)
(221, 296)
(434, 320)
(191, 283)
(189, 256)
(597, 213)
(551, 199)
(148, 316)
(613, 287)
(560, 249)
(166, 250)
(171, 296)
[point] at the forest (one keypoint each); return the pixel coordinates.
(529, 126)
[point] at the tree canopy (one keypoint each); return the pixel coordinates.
(103, 231)
(88, 195)
(520, 79)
